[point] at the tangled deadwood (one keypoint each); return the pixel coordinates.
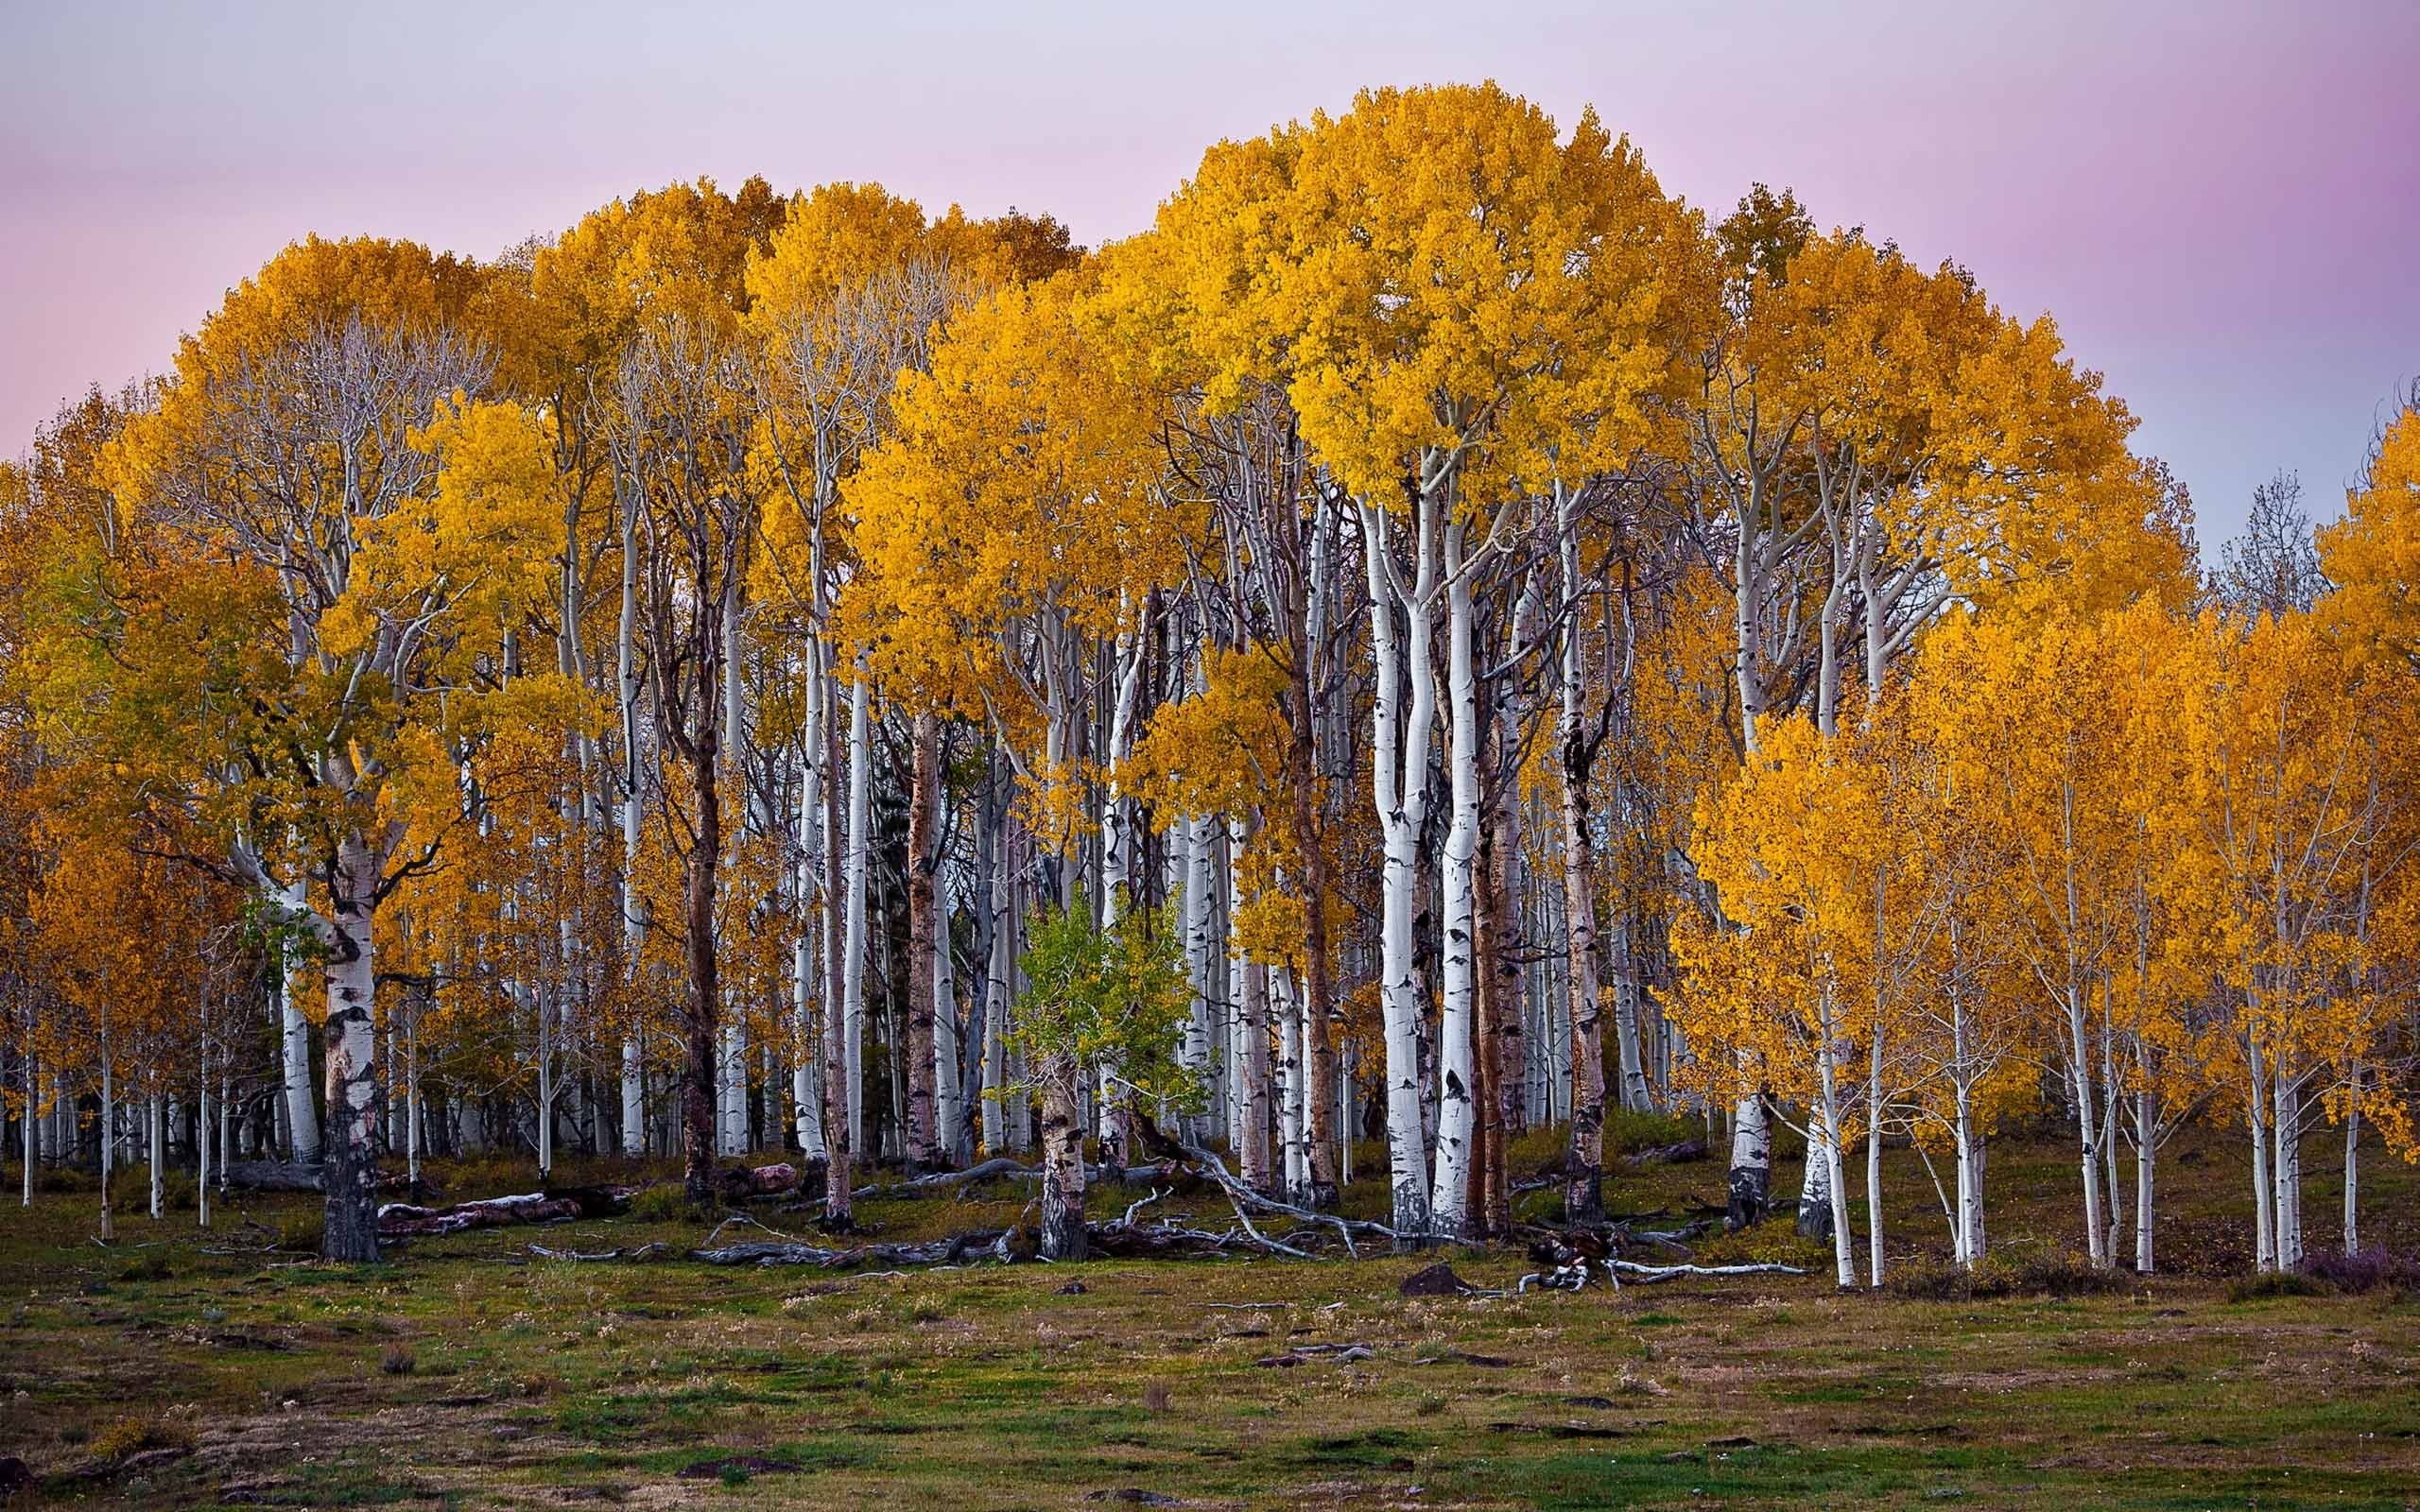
(1121, 1240)
(401, 1220)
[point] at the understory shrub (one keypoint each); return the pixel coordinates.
(131, 1436)
(2277, 1283)
(2017, 1270)
(2375, 1268)
(663, 1204)
(1775, 1241)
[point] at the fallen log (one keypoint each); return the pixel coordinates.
(1665, 1273)
(1111, 1241)
(402, 1220)
(657, 1250)
(1003, 1168)
(790, 1252)
(398, 1220)
(997, 1166)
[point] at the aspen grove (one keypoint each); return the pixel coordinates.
(1434, 640)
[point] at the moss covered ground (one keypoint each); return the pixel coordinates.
(178, 1368)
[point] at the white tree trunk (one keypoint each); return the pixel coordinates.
(2353, 1166)
(2145, 1153)
(1751, 1156)
(412, 1132)
(731, 1084)
(1190, 847)
(302, 1115)
(1250, 982)
(949, 1110)
(1843, 1251)
(2079, 1069)
(1962, 1224)
(2264, 1206)
(350, 1231)
(806, 1059)
(995, 1003)
(1968, 1226)
(1400, 789)
(1457, 1069)
(547, 1090)
(1874, 1159)
(109, 1137)
(853, 967)
(1293, 1100)
(2286, 1166)
(30, 1124)
(155, 1128)
(205, 1134)
(1815, 1183)
(634, 911)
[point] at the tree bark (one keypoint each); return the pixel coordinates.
(302, 1110)
(349, 1230)
(1457, 1032)
(1399, 770)
(924, 856)
(853, 959)
(1751, 1163)
(1063, 1161)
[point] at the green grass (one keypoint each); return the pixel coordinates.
(543, 1383)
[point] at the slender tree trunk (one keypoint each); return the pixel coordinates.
(1457, 1034)
(1502, 948)
(205, 1132)
(924, 856)
(1970, 1200)
(1583, 1192)
(634, 910)
(1400, 775)
(1751, 1156)
(1843, 1252)
(2145, 1153)
(2264, 1206)
(1874, 1159)
(2353, 1164)
(412, 1134)
(1000, 938)
(1193, 851)
(1250, 978)
(1583, 1166)
(108, 1139)
(2286, 1168)
(155, 1128)
(28, 1124)
(1317, 1182)
(302, 1114)
(698, 1123)
(853, 1003)
(2110, 1093)
(1815, 1184)
(2079, 1066)
(1293, 1159)
(1063, 1161)
(350, 1231)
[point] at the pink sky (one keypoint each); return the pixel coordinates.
(2218, 200)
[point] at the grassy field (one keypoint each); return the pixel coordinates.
(190, 1369)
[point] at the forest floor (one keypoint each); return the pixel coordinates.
(185, 1368)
